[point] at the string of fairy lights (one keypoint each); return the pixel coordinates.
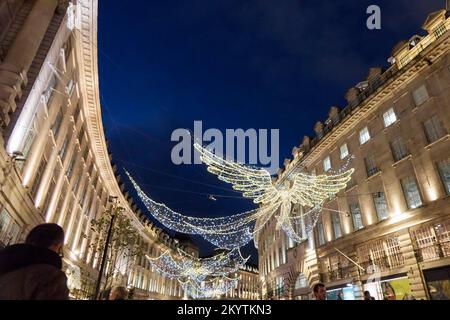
(212, 288)
(209, 277)
(201, 278)
(306, 190)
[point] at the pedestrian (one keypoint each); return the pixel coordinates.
(32, 270)
(118, 293)
(367, 296)
(340, 295)
(320, 291)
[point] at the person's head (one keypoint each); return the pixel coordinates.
(366, 295)
(118, 293)
(320, 292)
(47, 235)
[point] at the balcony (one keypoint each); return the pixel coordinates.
(337, 274)
(433, 252)
(372, 171)
(387, 262)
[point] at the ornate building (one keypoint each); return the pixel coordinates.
(54, 162)
(248, 287)
(389, 232)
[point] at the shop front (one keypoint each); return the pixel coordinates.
(342, 292)
(396, 287)
(438, 283)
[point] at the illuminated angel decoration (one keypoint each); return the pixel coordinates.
(187, 267)
(201, 277)
(307, 191)
(211, 288)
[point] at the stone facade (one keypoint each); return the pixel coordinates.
(54, 162)
(395, 213)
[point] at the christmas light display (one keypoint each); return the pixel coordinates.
(224, 232)
(305, 190)
(184, 266)
(212, 288)
(300, 189)
(200, 278)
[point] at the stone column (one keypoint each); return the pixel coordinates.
(14, 67)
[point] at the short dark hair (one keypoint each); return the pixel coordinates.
(366, 292)
(317, 286)
(45, 235)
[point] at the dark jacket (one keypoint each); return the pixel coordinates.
(29, 272)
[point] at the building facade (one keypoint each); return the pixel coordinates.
(248, 287)
(54, 161)
(389, 231)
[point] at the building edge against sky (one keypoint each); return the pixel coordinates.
(56, 167)
(54, 158)
(395, 213)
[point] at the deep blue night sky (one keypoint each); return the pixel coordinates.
(232, 64)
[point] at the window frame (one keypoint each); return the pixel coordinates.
(347, 152)
(327, 164)
(408, 204)
(415, 95)
(364, 133)
(389, 117)
(352, 212)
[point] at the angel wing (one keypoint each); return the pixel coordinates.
(310, 190)
(254, 183)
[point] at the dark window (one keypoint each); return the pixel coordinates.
(356, 216)
(371, 165)
(434, 130)
(379, 199)
(398, 148)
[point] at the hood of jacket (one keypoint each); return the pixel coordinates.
(19, 256)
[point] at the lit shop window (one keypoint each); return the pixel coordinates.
(364, 136)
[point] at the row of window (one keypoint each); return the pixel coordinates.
(433, 129)
(411, 193)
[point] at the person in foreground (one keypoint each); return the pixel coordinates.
(118, 293)
(32, 270)
(320, 292)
